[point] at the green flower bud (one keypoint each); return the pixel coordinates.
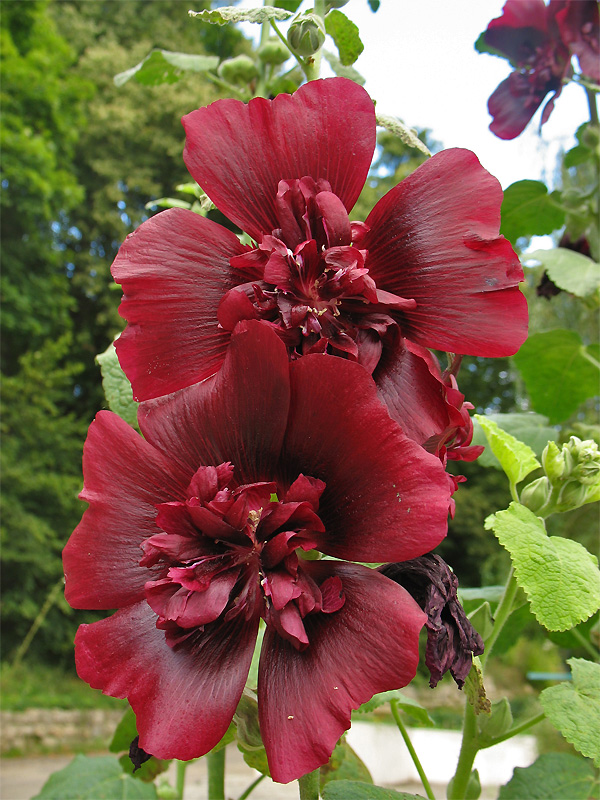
(572, 495)
(591, 137)
(239, 70)
(585, 458)
(246, 718)
(536, 494)
(306, 34)
(273, 51)
(553, 462)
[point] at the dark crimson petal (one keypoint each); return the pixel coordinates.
(238, 416)
(184, 697)
(434, 238)
(124, 479)
(411, 387)
(238, 153)
(305, 697)
(174, 270)
(383, 493)
(579, 25)
(513, 104)
(520, 29)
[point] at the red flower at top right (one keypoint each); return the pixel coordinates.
(539, 40)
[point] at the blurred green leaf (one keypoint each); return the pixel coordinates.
(341, 71)
(528, 210)
(117, 388)
(569, 270)
(515, 457)
(94, 778)
(221, 16)
(165, 66)
(553, 776)
(345, 35)
(343, 765)
(355, 790)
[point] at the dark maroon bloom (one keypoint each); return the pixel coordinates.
(539, 40)
(451, 639)
(426, 269)
(197, 531)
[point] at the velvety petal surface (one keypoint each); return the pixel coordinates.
(513, 104)
(124, 478)
(238, 416)
(519, 30)
(383, 493)
(434, 238)
(370, 645)
(238, 153)
(184, 697)
(174, 270)
(579, 25)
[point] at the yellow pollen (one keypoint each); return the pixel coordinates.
(290, 717)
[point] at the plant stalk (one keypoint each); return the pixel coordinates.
(310, 785)
(505, 607)
(411, 750)
(468, 751)
(522, 726)
(180, 778)
(216, 775)
(591, 98)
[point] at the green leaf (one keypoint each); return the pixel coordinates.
(558, 575)
(497, 723)
(558, 373)
(516, 458)
(475, 690)
(513, 628)
(355, 790)
(97, 778)
(341, 71)
(344, 765)
(528, 210)
(481, 619)
(124, 734)
(165, 66)
(403, 132)
(571, 640)
(117, 388)
(406, 704)
(221, 16)
(345, 35)
(574, 708)
(528, 427)
(471, 598)
(553, 776)
(168, 202)
(569, 270)
(289, 5)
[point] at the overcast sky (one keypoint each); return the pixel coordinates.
(420, 64)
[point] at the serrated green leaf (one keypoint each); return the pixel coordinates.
(475, 690)
(345, 35)
(165, 66)
(403, 132)
(528, 427)
(528, 210)
(355, 790)
(97, 778)
(558, 373)
(406, 704)
(117, 388)
(559, 576)
(574, 708)
(341, 71)
(221, 16)
(516, 458)
(569, 270)
(344, 765)
(553, 776)
(571, 640)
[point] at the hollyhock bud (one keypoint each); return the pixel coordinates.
(238, 70)
(537, 494)
(273, 51)
(553, 462)
(306, 34)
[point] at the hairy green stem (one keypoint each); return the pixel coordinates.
(468, 751)
(411, 749)
(216, 775)
(247, 792)
(310, 785)
(505, 607)
(587, 646)
(514, 731)
(591, 98)
(181, 767)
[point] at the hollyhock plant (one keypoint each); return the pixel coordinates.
(196, 532)
(539, 40)
(426, 269)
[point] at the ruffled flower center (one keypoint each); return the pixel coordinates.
(229, 550)
(309, 280)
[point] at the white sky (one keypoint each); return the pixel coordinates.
(420, 65)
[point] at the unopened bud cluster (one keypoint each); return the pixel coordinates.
(306, 34)
(572, 478)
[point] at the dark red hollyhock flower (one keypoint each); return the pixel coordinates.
(194, 534)
(539, 40)
(427, 269)
(451, 639)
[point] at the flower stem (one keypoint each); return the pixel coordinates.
(310, 785)
(246, 793)
(216, 775)
(468, 751)
(411, 749)
(591, 98)
(505, 607)
(180, 778)
(522, 726)
(587, 646)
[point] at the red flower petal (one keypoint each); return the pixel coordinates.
(513, 104)
(174, 270)
(579, 25)
(184, 697)
(340, 432)
(305, 697)
(124, 479)
(238, 153)
(434, 238)
(238, 416)
(521, 28)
